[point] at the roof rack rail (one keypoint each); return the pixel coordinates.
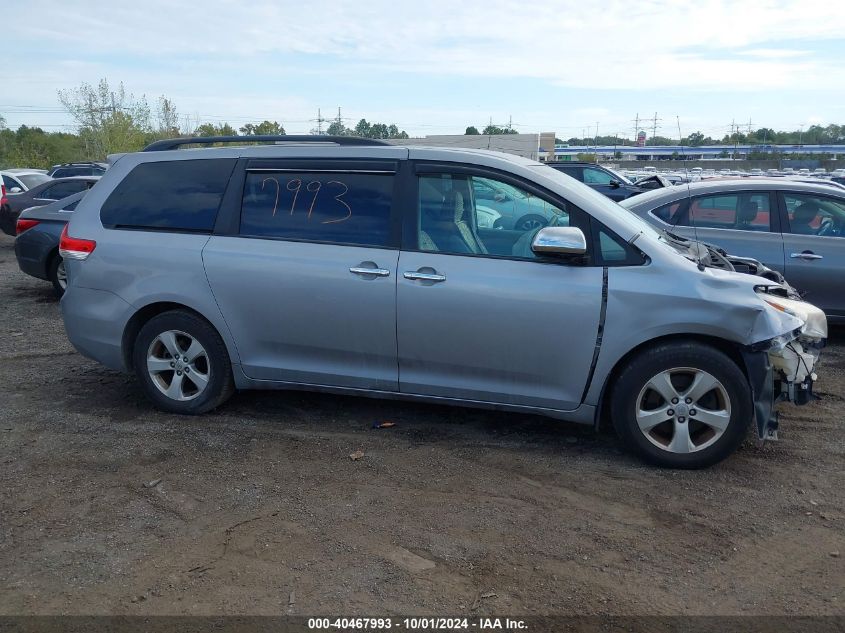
(176, 143)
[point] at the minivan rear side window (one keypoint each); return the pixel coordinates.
(338, 208)
(179, 195)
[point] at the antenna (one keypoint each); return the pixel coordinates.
(689, 196)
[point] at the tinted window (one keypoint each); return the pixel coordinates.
(64, 173)
(593, 176)
(64, 189)
(744, 211)
(343, 208)
(815, 215)
(179, 195)
(9, 183)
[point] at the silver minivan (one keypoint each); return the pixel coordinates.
(353, 266)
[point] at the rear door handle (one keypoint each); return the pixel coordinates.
(808, 255)
(417, 276)
(377, 272)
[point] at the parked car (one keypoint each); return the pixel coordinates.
(352, 266)
(654, 181)
(37, 242)
(20, 180)
(40, 195)
(501, 206)
(606, 181)
(797, 228)
(78, 169)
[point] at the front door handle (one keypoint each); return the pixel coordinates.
(377, 272)
(808, 255)
(418, 276)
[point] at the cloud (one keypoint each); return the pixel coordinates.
(571, 43)
(228, 57)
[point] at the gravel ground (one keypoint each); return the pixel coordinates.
(110, 507)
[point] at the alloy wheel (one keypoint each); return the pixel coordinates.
(61, 275)
(683, 410)
(178, 365)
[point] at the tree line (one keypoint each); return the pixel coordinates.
(109, 120)
(813, 135)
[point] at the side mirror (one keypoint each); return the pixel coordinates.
(560, 240)
(614, 184)
(15, 190)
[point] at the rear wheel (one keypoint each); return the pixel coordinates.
(57, 275)
(182, 363)
(682, 405)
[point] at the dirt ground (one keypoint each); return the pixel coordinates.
(109, 507)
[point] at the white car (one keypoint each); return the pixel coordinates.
(20, 180)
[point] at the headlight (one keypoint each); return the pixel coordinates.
(776, 343)
(780, 307)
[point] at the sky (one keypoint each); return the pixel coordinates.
(435, 67)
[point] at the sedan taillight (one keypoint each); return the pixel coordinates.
(74, 247)
(24, 225)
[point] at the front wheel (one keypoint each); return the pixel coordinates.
(182, 363)
(682, 405)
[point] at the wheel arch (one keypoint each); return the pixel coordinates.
(731, 349)
(144, 314)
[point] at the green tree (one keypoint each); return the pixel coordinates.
(337, 128)
(378, 130)
(495, 130)
(110, 119)
(695, 139)
(168, 118)
(210, 129)
(471, 130)
(264, 128)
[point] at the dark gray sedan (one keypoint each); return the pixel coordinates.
(47, 192)
(794, 227)
(37, 243)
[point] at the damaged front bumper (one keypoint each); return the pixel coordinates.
(782, 368)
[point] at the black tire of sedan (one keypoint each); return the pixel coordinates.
(56, 275)
(182, 363)
(681, 405)
(530, 222)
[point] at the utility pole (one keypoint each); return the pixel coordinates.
(636, 127)
(654, 125)
(596, 143)
(735, 133)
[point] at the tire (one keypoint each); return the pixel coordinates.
(56, 275)
(530, 222)
(697, 434)
(192, 387)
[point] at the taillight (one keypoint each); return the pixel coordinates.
(24, 225)
(74, 247)
(3, 198)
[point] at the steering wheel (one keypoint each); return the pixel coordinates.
(827, 227)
